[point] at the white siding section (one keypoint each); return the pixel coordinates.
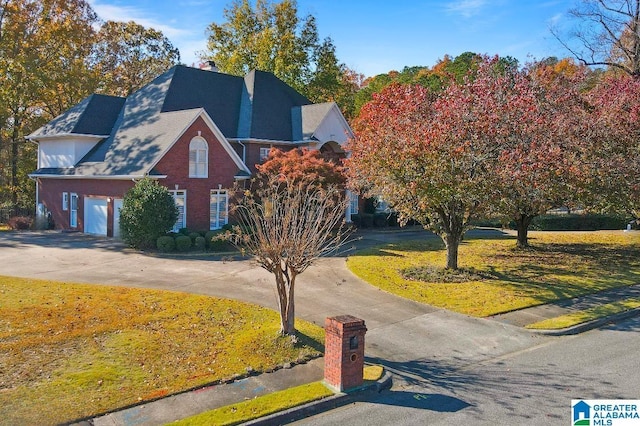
(63, 153)
(332, 128)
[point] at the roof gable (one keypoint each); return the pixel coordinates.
(323, 122)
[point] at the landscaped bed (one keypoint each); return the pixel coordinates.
(501, 278)
(68, 350)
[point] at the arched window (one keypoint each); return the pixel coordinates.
(198, 154)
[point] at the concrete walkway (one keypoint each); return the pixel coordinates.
(400, 332)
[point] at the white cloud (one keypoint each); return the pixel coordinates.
(466, 8)
(109, 12)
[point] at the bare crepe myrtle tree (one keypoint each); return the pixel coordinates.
(286, 226)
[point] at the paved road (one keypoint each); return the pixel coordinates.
(533, 386)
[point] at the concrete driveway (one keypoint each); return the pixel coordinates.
(399, 330)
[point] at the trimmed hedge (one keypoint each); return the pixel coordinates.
(166, 244)
(199, 243)
(183, 243)
(578, 222)
(193, 236)
(563, 222)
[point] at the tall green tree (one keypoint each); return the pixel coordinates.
(127, 56)
(43, 44)
(273, 37)
(269, 37)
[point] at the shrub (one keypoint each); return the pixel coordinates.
(215, 241)
(366, 220)
(166, 244)
(193, 236)
(380, 220)
(20, 222)
(577, 222)
(355, 218)
(148, 212)
(199, 243)
(183, 243)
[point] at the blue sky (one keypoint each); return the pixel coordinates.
(376, 36)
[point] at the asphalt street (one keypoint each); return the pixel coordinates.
(532, 386)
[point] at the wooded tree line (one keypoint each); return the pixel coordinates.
(54, 53)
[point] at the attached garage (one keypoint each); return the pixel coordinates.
(95, 216)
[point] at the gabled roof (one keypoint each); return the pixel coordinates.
(94, 115)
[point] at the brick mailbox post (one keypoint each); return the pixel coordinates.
(344, 352)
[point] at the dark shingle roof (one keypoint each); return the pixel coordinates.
(272, 102)
(217, 93)
(94, 115)
(145, 125)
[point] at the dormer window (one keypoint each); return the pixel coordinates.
(198, 155)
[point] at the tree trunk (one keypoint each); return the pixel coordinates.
(452, 243)
(285, 286)
(14, 159)
(522, 225)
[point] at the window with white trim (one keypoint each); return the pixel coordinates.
(353, 202)
(180, 198)
(198, 155)
(65, 201)
(73, 213)
(218, 210)
(264, 153)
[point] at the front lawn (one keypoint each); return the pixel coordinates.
(559, 265)
(69, 350)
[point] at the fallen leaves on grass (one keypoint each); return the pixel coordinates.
(559, 265)
(68, 350)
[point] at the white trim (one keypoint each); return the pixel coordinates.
(100, 177)
(183, 195)
(219, 194)
(197, 160)
(73, 195)
(269, 141)
(65, 136)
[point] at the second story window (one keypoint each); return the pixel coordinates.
(198, 155)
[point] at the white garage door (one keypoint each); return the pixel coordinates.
(117, 205)
(95, 216)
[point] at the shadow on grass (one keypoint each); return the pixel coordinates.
(305, 340)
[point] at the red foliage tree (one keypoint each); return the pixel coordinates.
(302, 164)
(611, 153)
(543, 116)
(431, 158)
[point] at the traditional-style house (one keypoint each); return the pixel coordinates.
(198, 132)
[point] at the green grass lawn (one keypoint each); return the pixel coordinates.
(579, 317)
(69, 350)
(272, 403)
(559, 265)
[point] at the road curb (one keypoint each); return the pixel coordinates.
(325, 404)
(590, 325)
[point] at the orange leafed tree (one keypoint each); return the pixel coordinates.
(302, 164)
